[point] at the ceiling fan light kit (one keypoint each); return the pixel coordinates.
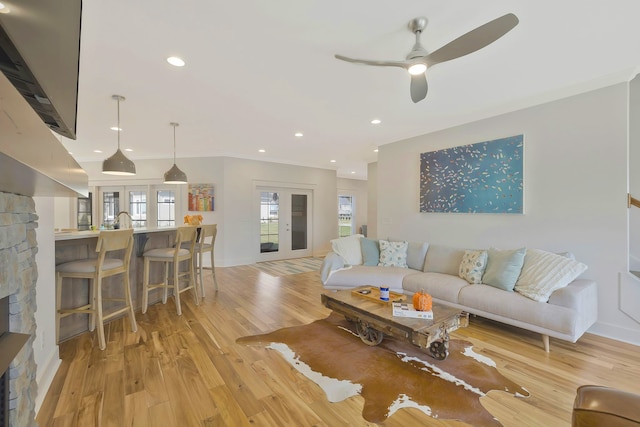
(418, 60)
(118, 163)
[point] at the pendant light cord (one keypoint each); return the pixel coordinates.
(118, 100)
(174, 140)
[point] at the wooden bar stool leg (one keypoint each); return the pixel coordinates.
(92, 303)
(199, 269)
(98, 308)
(193, 279)
(129, 302)
(166, 283)
(145, 286)
(58, 305)
(213, 270)
(176, 287)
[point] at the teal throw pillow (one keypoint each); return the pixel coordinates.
(370, 251)
(503, 268)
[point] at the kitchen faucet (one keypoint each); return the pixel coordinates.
(117, 221)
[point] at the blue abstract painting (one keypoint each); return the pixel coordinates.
(486, 177)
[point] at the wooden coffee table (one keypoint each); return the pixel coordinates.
(374, 319)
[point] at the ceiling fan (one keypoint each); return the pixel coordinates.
(418, 60)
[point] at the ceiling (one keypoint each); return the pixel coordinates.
(259, 71)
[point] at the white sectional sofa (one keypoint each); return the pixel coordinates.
(547, 296)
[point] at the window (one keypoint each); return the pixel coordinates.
(110, 207)
(345, 215)
(166, 202)
(269, 219)
(84, 213)
(138, 208)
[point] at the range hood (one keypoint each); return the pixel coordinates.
(33, 162)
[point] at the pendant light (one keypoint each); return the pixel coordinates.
(174, 175)
(118, 164)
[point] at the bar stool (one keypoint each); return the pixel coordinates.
(96, 270)
(205, 243)
(173, 255)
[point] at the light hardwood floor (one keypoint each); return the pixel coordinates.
(187, 370)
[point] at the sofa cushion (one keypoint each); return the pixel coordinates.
(443, 259)
(361, 275)
(441, 286)
(503, 268)
(522, 310)
(416, 253)
(393, 254)
(370, 251)
(472, 266)
(544, 272)
(348, 248)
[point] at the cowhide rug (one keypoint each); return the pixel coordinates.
(392, 375)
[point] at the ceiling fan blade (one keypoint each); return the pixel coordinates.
(418, 87)
(474, 40)
(401, 64)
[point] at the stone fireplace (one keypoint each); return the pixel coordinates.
(18, 275)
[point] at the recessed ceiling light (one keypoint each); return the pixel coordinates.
(3, 8)
(375, 151)
(175, 61)
(262, 151)
(97, 151)
(115, 128)
(375, 122)
(70, 152)
(298, 134)
(353, 172)
(332, 161)
(128, 149)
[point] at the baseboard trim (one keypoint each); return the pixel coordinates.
(45, 376)
(615, 332)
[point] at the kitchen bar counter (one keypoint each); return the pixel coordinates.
(74, 245)
(73, 235)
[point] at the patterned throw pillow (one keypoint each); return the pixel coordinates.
(472, 266)
(393, 254)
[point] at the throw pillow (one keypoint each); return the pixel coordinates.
(472, 266)
(370, 251)
(503, 268)
(348, 248)
(544, 272)
(393, 254)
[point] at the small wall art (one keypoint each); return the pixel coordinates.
(200, 197)
(486, 177)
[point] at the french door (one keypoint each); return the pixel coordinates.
(285, 223)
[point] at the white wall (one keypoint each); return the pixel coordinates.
(358, 189)
(575, 186)
(241, 224)
(372, 200)
(45, 349)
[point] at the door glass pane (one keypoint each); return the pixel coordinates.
(110, 207)
(84, 213)
(138, 208)
(166, 202)
(298, 221)
(345, 216)
(269, 221)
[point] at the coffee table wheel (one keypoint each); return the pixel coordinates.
(369, 335)
(439, 349)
